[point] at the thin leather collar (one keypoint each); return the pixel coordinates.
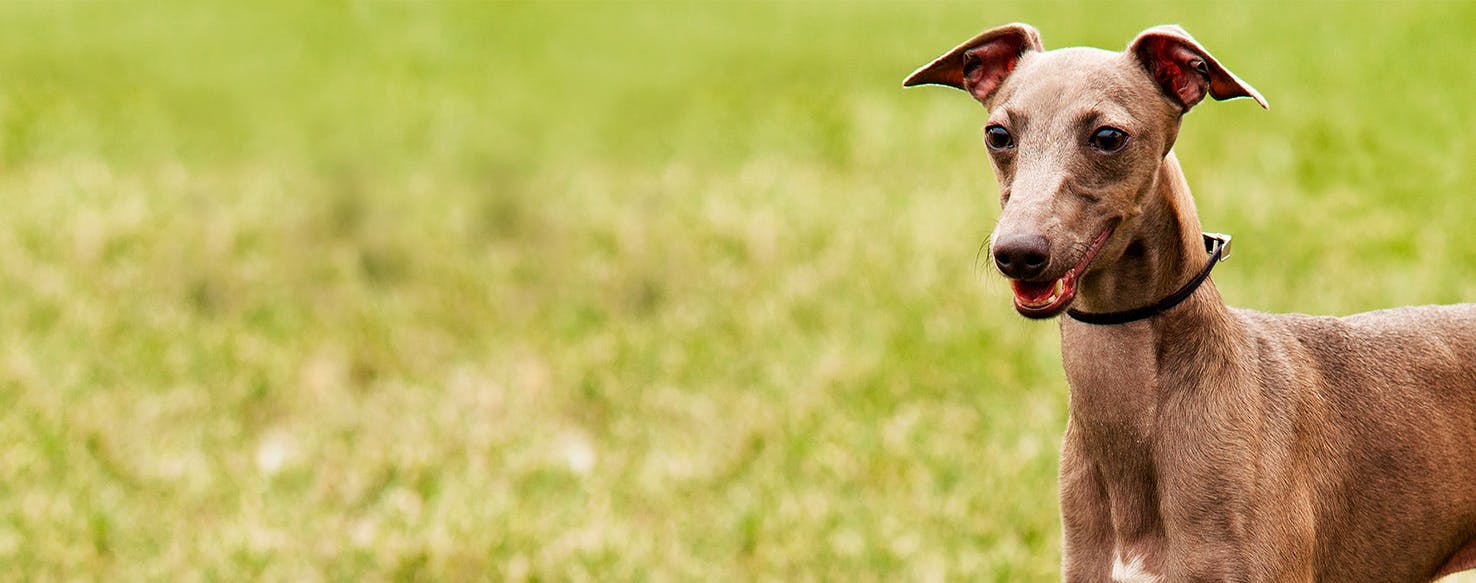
(1217, 245)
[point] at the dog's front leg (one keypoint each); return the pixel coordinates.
(1086, 518)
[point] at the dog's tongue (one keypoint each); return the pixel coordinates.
(1033, 293)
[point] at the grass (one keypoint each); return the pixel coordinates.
(612, 291)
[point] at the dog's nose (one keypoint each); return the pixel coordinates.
(1021, 256)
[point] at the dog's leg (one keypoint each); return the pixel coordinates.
(1085, 518)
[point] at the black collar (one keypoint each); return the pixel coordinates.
(1217, 245)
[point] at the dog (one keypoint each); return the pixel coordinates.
(1207, 443)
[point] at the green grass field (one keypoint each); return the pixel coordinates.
(613, 291)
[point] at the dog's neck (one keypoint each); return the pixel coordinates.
(1119, 374)
(1164, 249)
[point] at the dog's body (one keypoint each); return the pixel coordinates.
(1205, 442)
(1222, 444)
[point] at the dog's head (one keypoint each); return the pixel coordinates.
(1076, 137)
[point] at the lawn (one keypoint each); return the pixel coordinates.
(348, 290)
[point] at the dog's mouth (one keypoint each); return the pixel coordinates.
(1046, 299)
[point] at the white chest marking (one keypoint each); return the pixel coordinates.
(1130, 571)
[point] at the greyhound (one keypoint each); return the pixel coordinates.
(1206, 442)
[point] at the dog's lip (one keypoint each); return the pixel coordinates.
(1034, 300)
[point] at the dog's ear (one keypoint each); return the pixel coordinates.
(1184, 70)
(980, 64)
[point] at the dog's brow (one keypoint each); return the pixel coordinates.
(1019, 120)
(1086, 117)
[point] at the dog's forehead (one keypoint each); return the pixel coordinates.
(1072, 75)
(1072, 59)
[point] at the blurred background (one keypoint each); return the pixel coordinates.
(344, 290)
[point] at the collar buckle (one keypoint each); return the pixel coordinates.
(1221, 241)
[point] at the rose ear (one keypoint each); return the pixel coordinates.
(1184, 70)
(981, 64)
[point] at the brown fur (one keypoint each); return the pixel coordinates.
(1207, 442)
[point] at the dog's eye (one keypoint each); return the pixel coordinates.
(998, 138)
(1108, 139)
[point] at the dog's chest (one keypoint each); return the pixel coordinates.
(1113, 374)
(1114, 400)
(1131, 568)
